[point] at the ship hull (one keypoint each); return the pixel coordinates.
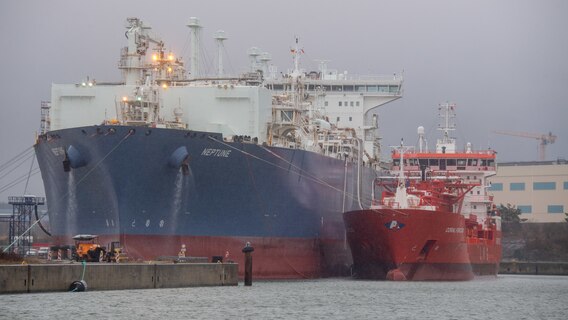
(408, 244)
(273, 258)
(155, 190)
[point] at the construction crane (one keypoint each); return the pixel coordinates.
(545, 139)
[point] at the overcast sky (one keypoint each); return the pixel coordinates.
(504, 63)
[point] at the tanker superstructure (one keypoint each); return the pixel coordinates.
(162, 160)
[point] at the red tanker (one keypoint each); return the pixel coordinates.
(434, 220)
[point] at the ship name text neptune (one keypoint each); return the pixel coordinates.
(209, 152)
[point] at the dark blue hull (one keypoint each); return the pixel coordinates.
(165, 184)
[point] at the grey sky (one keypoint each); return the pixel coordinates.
(503, 62)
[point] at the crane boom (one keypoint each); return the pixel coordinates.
(544, 139)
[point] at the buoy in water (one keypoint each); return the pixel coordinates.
(78, 286)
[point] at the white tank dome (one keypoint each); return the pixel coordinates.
(178, 112)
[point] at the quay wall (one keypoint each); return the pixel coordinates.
(534, 268)
(59, 277)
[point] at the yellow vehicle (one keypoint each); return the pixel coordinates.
(115, 253)
(87, 248)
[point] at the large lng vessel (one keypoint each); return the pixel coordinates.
(434, 219)
(165, 159)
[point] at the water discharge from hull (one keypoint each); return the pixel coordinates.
(71, 212)
(177, 200)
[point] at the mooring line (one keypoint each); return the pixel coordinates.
(77, 183)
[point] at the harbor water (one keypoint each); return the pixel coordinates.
(504, 297)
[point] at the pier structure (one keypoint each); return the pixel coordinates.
(20, 222)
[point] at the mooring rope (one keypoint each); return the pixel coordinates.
(16, 158)
(99, 163)
(18, 180)
(27, 157)
(77, 183)
(29, 175)
(28, 229)
(84, 263)
(313, 177)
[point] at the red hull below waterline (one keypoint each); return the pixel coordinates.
(273, 258)
(412, 244)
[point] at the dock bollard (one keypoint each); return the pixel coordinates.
(247, 250)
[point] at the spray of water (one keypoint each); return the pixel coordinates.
(178, 199)
(71, 212)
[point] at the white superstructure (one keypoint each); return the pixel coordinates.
(229, 106)
(233, 106)
(348, 101)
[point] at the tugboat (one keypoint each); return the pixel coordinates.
(434, 220)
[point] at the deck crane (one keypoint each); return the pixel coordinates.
(545, 139)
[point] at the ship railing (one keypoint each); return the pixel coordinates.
(478, 198)
(470, 154)
(436, 168)
(390, 202)
(395, 78)
(26, 199)
(357, 87)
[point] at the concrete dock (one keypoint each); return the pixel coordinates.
(534, 268)
(106, 276)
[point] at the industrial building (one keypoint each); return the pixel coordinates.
(539, 189)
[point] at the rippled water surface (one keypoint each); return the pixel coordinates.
(506, 297)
